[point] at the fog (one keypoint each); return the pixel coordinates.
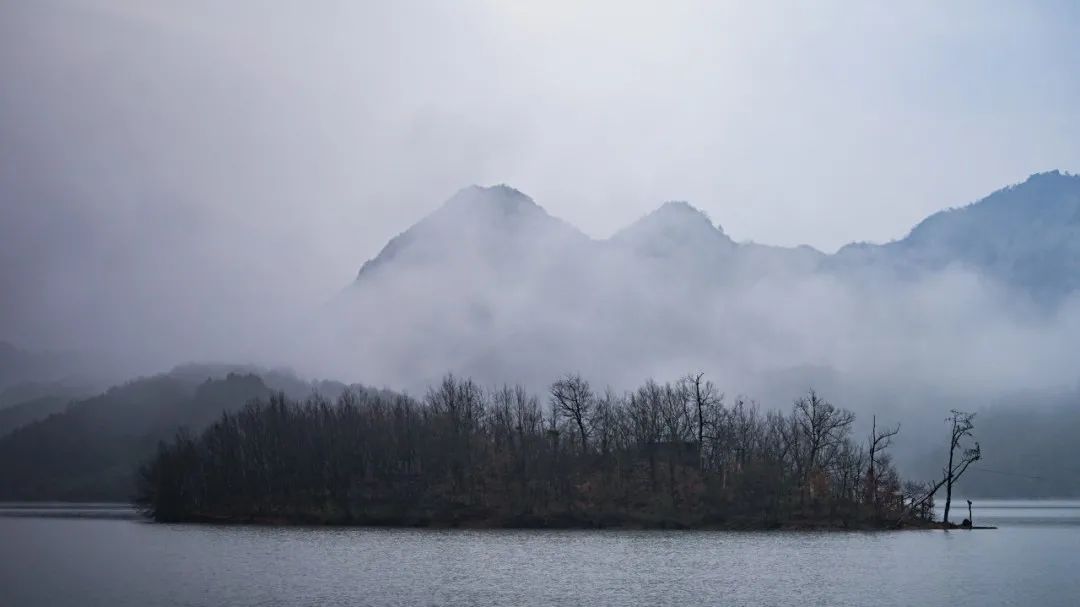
(493, 287)
(203, 182)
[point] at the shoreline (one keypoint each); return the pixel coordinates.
(128, 511)
(560, 523)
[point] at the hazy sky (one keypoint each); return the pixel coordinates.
(157, 156)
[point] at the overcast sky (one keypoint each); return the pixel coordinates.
(156, 155)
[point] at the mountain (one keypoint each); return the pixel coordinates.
(29, 411)
(486, 237)
(1026, 236)
(492, 285)
(492, 232)
(675, 229)
(462, 284)
(89, 449)
(677, 237)
(674, 243)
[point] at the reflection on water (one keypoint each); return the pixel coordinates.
(61, 554)
(68, 510)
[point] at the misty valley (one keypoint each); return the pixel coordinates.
(490, 291)
(539, 303)
(876, 424)
(795, 393)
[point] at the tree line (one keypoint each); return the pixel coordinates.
(674, 454)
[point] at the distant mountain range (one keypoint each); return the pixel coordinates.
(491, 271)
(1027, 235)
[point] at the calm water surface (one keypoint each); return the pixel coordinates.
(73, 555)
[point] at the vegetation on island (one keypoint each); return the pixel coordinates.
(663, 455)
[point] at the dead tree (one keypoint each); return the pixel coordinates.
(879, 441)
(604, 419)
(820, 428)
(920, 497)
(962, 426)
(705, 399)
(573, 398)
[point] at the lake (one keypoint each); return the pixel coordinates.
(86, 555)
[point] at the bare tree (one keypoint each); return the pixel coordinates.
(817, 430)
(646, 425)
(920, 496)
(603, 422)
(675, 412)
(462, 451)
(573, 398)
(962, 425)
(705, 398)
(527, 415)
(879, 441)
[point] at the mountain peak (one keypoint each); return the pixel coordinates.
(674, 226)
(498, 220)
(682, 212)
(1051, 176)
(1025, 235)
(674, 217)
(1043, 198)
(500, 199)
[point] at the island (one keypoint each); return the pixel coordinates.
(672, 455)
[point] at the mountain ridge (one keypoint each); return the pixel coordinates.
(468, 286)
(988, 235)
(976, 234)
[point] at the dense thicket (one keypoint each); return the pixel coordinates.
(662, 455)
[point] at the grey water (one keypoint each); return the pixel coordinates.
(88, 555)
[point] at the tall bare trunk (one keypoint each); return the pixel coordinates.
(949, 473)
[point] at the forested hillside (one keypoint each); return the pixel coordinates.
(90, 449)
